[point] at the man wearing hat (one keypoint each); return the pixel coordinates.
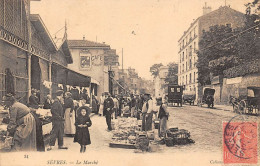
(147, 114)
(57, 121)
(108, 110)
(34, 100)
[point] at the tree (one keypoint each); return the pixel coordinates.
(252, 5)
(222, 48)
(154, 69)
(172, 77)
(211, 50)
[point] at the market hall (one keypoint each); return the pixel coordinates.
(30, 61)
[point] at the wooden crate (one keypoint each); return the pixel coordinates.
(121, 145)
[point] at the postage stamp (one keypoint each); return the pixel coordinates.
(240, 142)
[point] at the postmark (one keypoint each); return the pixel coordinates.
(239, 141)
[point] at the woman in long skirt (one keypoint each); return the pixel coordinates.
(101, 107)
(163, 116)
(22, 125)
(69, 127)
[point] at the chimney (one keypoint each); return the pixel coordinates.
(206, 9)
(83, 37)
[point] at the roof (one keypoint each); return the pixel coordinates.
(86, 43)
(43, 31)
(219, 10)
(66, 51)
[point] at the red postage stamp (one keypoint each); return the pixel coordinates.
(240, 142)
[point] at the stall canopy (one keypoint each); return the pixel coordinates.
(67, 76)
(77, 79)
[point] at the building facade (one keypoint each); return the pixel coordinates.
(189, 43)
(95, 60)
(29, 58)
(160, 86)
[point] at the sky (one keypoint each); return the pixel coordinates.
(147, 30)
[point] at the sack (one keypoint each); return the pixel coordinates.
(7, 143)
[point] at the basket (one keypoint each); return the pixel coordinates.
(150, 135)
(126, 115)
(174, 129)
(7, 144)
(156, 124)
(169, 141)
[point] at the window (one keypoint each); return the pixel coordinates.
(190, 51)
(186, 66)
(190, 64)
(194, 45)
(180, 58)
(186, 53)
(182, 67)
(194, 80)
(186, 80)
(195, 32)
(183, 43)
(183, 56)
(182, 80)
(194, 62)
(190, 78)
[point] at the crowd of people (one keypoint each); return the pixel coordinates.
(136, 106)
(70, 117)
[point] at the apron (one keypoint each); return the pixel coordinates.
(25, 135)
(69, 125)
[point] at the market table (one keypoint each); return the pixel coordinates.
(44, 115)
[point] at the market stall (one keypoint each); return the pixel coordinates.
(127, 134)
(43, 114)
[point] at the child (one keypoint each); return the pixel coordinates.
(82, 134)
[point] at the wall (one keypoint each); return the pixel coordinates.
(97, 70)
(15, 59)
(238, 88)
(222, 16)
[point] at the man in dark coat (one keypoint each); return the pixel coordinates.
(108, 110)
(57, 121)
(34, 100)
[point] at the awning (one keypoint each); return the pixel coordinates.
(72, 77)
(76, 79)
(93, 81)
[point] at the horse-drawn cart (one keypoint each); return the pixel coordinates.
(247, 103)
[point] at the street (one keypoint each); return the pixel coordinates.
(204, 124)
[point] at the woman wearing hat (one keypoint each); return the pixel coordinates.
(22, 125)
(69, 116)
